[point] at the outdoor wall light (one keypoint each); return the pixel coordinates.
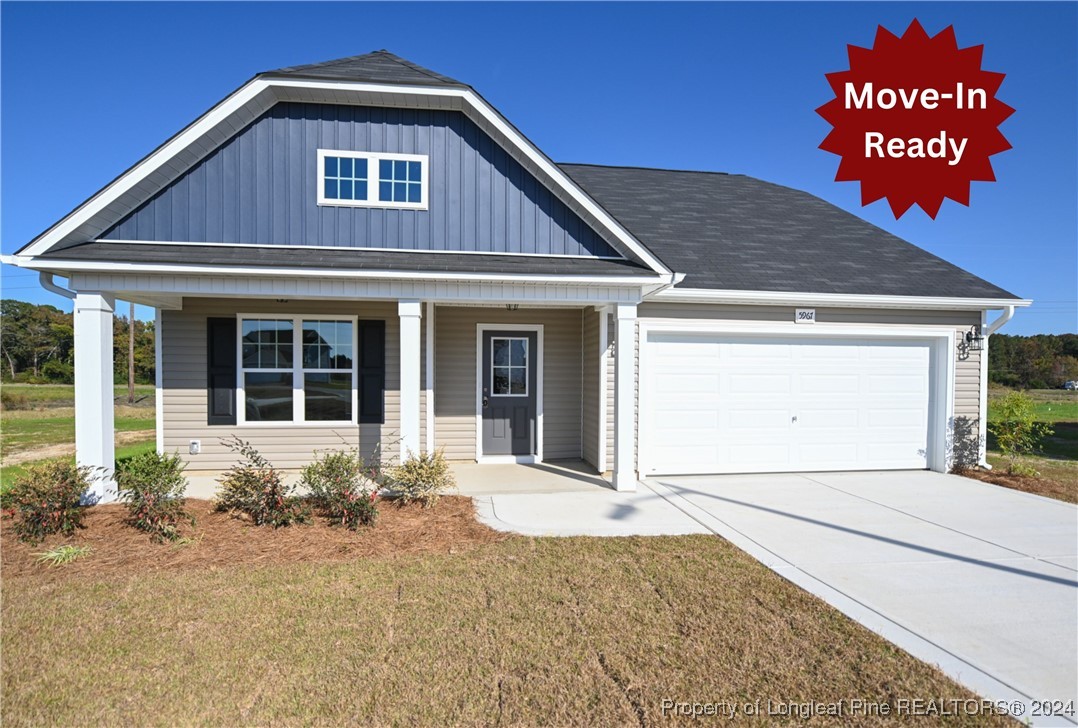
(512, 306)
(974, 339)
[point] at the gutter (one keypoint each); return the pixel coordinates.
(675, 278)
(837, 300)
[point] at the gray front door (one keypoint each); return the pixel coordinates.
(509, 392)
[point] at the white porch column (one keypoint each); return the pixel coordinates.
(410, 313)
(94, 418)
(625, 397)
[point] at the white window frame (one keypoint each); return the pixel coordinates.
(526, 366)
(373, 179)
(297, 371)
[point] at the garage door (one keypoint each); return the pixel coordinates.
(723, 404)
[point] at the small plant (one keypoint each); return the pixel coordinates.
(63, 555)
(46, 499)
(9, 401)
(422, 478)
(254, 487)
(1017, 431)
(344, 487)
(152, 486)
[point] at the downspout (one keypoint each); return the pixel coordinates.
(1007, 315)
(45, 279)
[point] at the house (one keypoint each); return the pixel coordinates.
(365, 252)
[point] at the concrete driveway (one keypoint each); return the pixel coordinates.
(973, 577)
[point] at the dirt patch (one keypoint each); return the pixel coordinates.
(1064, 490)
(220, 540)
(68, 448)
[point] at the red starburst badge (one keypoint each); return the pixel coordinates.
(915, 119)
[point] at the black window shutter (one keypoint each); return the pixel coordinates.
(372, 372)
(221, 371)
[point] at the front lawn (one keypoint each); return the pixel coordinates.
(437, 630)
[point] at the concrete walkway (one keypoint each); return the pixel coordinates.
(978, 579)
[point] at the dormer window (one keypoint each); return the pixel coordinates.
(345, 179)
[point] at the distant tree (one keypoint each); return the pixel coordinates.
(144, 350)
(1032, 362)
(34, 334)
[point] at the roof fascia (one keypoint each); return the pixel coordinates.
(837, 300)
(63, 267)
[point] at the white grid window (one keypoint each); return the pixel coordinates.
(509, 366)
(372, 179)
(309, 378)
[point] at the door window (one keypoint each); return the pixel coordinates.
(509, 366)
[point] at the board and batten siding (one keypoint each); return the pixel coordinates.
(183, 344)
(455, 377)
(967, 364)
(260, 187)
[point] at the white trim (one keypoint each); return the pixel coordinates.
(626, 343)
(95, 424)
(248, 93)
(280, 272)
(297, 371)
(374, 179)
(982, 395)
(159, 381)
(430, 377)
(304, 246)
(409, 313)
(480, 328)
(604, 356)
(941, 419)
(508, 460)
(839, 300)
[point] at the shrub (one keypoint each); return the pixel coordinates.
(10, 401)
(256, 488)
(46, 498)
(152, 486)
(60, 372)
(344, 487)
(1017, 431)
(422, 478)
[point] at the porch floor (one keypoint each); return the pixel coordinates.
(554, 476)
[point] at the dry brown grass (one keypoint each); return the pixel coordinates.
(513, 631)
(1064, 487)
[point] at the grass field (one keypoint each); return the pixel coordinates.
(47, 423)
(529, 631)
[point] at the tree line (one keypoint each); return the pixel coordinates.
(37, 345)
(1044, 361)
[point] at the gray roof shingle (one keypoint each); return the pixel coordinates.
(729, 231)
(347, 259)
(377, 67)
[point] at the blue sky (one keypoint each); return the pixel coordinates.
(88, 89)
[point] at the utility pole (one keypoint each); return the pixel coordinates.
(131, 355)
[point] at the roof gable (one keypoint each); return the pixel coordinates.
(260, 188)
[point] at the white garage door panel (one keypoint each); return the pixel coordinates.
(721, 403)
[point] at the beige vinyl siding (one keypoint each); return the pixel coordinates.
(183, 345)
(967, 363)
(591, 376)
(455, 377)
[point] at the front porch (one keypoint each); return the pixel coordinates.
(434, 382)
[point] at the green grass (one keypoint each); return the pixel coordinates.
(26, 430)
(61, 555)
(9, 473)
(579, 631)
(64, 394)
(1052, 405)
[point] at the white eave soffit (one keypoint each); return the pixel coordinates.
(109, 205)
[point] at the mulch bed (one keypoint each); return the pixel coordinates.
(219, 540)
(1037, 485)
